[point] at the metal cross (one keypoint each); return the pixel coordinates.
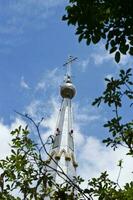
(68, 64)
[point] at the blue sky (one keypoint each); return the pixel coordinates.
(34, 44)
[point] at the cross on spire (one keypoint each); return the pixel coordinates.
(70, 60)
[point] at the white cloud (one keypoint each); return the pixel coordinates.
(41, 85)
(109, 76)
(24, 84)
(29, 12)
(87, 114)
(32, 108)
(95, 158)
(125, 61)
(78, 137)
(49, 88)
(84, 64)
(54, 78)
(50, 122)
(36, 109)
(92, 156)
(50, 80)
(23, 16)
(5, 137)
(100, 56)
(50, 109)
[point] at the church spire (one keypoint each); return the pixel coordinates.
(62, 151)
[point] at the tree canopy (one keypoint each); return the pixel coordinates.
(25, 175)
(117, 90)
(110, 20)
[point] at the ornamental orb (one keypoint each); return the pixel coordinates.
(68, 90)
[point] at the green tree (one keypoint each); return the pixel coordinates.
(117, 91)
(110, 20)
(25, 175)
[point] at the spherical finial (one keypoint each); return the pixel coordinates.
(67, 89)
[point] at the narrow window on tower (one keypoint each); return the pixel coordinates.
(70, 142)
(56, 141)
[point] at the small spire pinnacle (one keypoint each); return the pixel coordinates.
(68, 65)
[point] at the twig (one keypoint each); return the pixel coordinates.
(68, 180)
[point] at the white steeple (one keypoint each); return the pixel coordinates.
(62, 150)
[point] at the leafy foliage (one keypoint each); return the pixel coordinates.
(111, 20)
(105, 189)
(24, 170)
(26, 174)
(117, 90)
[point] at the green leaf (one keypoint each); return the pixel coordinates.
(130, 82)
(80, 37)
(88, 41)
(64, 17)
(96, 39)
(103, 35)
(128, 71)
(131, 42)
(106, 79)
(87, 191)
(110, 35)
(131, 51)
(117, 57)
(68, 8)
(79, 31)
(107, 46)
(123, 48)
(13, 151)
(113, 49)
(120, 162)
(113, 43)
(130, 38)
(122, 71)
